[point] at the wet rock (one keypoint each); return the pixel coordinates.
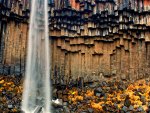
(99, 90)
(74, 108)
(65, 92)
(143, 100)
(148, 110)
(83, 112)
(1, 69)
(6, 70)
(59, 94)
(104, 83)
(93, 85)
(114, 72)
(107, 74)
(123, 77)
(125, 109)
(98, 94)
(71, 83)
(107, 88)
(80, 82)
(140, 109)
(54, 93)
(127, 101)
(90, 110)
(65, 103)
(88, 101)
(121, 87)
(66, 109)
(10, 106)
(60, 110)
(58, 103)
(115, 105)
(131, 108)
(17, 70)
(65, 98)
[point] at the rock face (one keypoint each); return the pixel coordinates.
(93, 39)
(13, 36)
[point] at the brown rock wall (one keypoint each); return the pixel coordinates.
(14, 40)
(122, 59)
(93, 39)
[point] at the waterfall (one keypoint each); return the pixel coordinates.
(36, 90)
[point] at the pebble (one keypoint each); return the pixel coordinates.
(127, 101)
(65, 103)
(125, 108)
(66, 109)
(98, 94)
(143, 100)
(131, 108)
(90, 110)
(93, 85)
(10, 106)
(99, 90)
(140, 108)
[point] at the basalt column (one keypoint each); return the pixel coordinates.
(98, 39)
(90, 39)
(13, 36)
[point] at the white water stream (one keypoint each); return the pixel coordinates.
(36, 90)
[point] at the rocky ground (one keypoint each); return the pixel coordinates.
(98, 97)
(10, 94)
(106, 97)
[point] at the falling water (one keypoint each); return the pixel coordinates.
(37, 81)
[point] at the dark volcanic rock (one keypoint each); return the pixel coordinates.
(127, 101)
(90, 110)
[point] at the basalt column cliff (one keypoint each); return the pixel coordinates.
(92, 39)
(14, 16)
